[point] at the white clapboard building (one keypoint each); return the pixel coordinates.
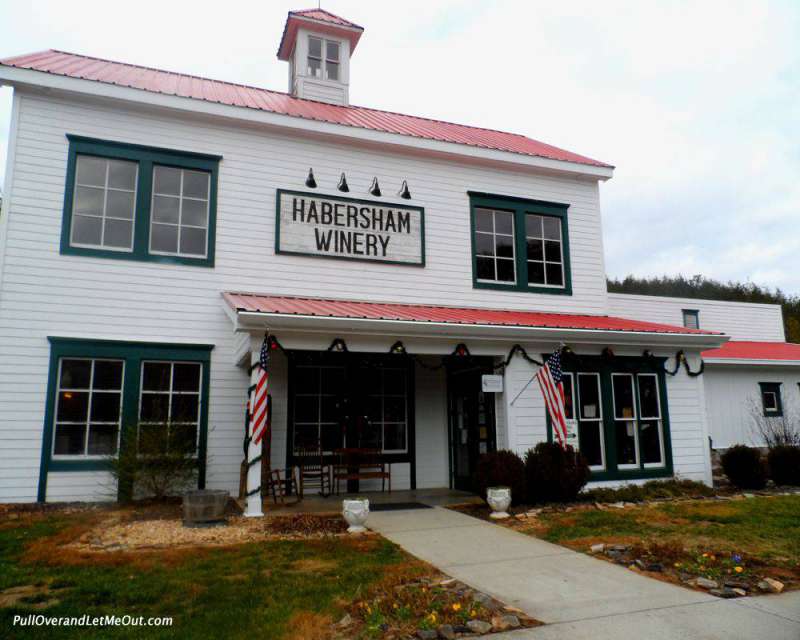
(156, 226)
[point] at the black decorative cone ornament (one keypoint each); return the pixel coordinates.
(405, 194)
(375, 189)
(342, 186)
(311, 182)
(398, 348)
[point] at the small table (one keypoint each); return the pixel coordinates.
(361, 464)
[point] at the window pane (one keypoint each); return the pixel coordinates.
(483, 220)
(484, 244)
(394, 381)
(552, 251)
(156, 376)
(648, 397)
(306, 409)
(533, 226)
(155, 407)
(165, 209)
(623, 396)
(505, 270)
(105, 407)
(374, 409)
(690, 320)
(371, 436)
(332, 50)
(332, 69)
(626, 442)
(194, 213)
(185, 407)
(569, 405)
(167, 180)
(122, 174)
(75, 374)
(306, 436)
(107, 374)
(86, 230)
(770, 401)
(394, 437)
(552, 228)
(650, 442)
(183, 438)
(91, 171)
(589, 395)
(535, 250)
(332, 380)
(193, 241)
(73, 406)
(329, 409)
(195, 184)
(315, 47)
(555, 275)
(164, 238)
(504, 222)
(102, 440)
(505, 246)
(307, 379)
(89, 200)
(485, 268)
(119, 233)
(120, 204)
(394, 409)
(332, 437)
(69, 440)
(589, 442)
(186, 376)
(535, 273)
(314, 67)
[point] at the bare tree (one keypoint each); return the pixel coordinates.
(775, 431)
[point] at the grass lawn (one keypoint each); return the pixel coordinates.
(268, 589)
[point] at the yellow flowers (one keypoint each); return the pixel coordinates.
(395, 605)
(678, 565)
(456, 606)
(432, 616)
(473, 613)
(738, 569)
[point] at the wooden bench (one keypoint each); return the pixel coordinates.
(361, 464)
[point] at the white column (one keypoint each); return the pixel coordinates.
(253, 508)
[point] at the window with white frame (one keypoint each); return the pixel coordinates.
(317, 398)
(103, 203)
(651, 424)
(88, 407)
(324, 58)
(771, 400)
(545, 251)
(590, 420)
(691, 318)
(179, 219)
(387, 400)
(169, 406)
(625, 424)
(494, 246)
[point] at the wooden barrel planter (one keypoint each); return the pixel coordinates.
(204, 507)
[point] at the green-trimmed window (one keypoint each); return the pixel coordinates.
(139, 203)
(691, 318)
(771, 401)
(617, 416)
(97, 387)
(520, 244)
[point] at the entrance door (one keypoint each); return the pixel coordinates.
(472, 423)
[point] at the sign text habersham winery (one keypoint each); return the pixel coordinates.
(332, 226)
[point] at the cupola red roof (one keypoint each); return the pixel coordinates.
(319, 21)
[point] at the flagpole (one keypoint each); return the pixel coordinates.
(521, 391)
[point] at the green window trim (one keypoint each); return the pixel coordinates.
(771, 387)
(520, 207)
(622, 364)
(691, 313)
(146, 157)
(132, 353)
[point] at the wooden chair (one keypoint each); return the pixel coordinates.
(361, 464)
(313, 471)
(282, 485)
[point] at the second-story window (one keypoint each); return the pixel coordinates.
(691, 318)
(323, 58)
(179, 222)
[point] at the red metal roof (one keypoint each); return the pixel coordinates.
(744, 350)
(177, 84)
(324, 16)
(320, 21)
(452, 315)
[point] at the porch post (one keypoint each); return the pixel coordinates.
(254, 451)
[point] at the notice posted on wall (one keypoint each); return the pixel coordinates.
(336, 227)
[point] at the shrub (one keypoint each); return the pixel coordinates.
(502, 468)
(651, 490)
(784, 465)
(744, 467)
(554, 474)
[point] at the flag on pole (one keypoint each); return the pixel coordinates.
(550, 382)
(258, 419)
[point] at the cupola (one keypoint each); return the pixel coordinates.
(317, 45)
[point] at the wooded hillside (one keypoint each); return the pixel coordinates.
(702, 287)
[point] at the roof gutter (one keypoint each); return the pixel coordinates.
(16, 77)
(754, 362)
(257, 320)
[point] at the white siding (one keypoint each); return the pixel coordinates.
(734, 400)
(740, 320)
(97, 486)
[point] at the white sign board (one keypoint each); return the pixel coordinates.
(338, 227)
(492, 384)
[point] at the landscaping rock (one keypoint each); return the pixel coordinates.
(446, 632)
(486, 601)
(737, 584)
(503, 623)
(656, 567)
(461, 629)
(479, 626)
(620, 547)
(427, 634)
(771, 585)
(725, 592)
(345, 622)
(598, 548)
(705, 583)
(640, 564)
(740, 592)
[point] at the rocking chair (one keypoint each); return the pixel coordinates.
(282, 485)
(313, 471)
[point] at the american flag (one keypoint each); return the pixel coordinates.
(550, 382)
(258, 418)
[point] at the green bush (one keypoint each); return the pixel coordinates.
(744, 467)
(784, 465)
(651, 490)
(554, 474)
(502, 469)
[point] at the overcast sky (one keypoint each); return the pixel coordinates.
(697, 104)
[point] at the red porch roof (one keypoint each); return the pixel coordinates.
(246, 302)
(745, 350)
(186, 86)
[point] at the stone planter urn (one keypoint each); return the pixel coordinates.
(204, 507)
(499, 499)
(355, 512)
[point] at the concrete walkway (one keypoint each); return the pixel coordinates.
(579, 596)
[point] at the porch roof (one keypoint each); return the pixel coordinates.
(253, 306)
(751, 352)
